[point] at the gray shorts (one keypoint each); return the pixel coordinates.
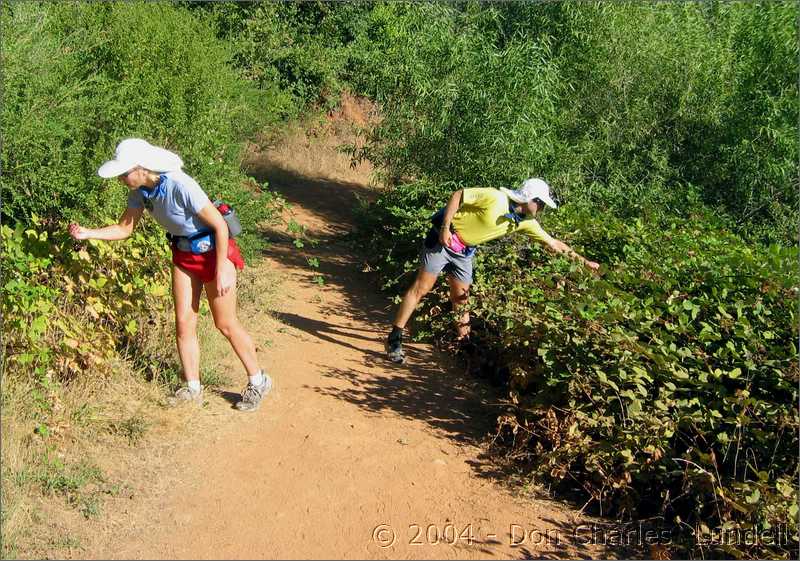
(439, 259)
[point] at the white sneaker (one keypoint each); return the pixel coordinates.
(252, 395)
(185, 395)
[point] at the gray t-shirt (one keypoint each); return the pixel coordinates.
(174, 203)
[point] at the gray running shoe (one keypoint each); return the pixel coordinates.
(252, 395)
(394, 351)
(184, 395)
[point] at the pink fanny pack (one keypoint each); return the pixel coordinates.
(456, 244)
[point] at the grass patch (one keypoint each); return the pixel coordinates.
(133, 429)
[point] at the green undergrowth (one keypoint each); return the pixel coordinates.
(664, 388)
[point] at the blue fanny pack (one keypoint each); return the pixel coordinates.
(199, 243)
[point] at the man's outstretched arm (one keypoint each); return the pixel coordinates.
(558, 246)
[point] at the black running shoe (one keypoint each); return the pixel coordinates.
(394, 350)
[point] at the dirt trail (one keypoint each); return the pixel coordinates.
(346, 443)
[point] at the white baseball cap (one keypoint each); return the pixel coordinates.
(533, 188)
(133, 152)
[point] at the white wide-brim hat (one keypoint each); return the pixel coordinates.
(533, 188)
(133, 152)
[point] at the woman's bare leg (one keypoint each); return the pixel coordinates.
(186, 295)
(223, 308)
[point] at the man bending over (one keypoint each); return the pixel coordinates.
(472, 217)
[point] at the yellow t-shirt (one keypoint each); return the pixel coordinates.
(480, 218)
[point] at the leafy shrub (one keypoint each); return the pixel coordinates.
(653, 97)
(79, 77)
(46, 99)
(299, 47)
(69, 310)
(457, 107)
(666, 387)
(637, 107)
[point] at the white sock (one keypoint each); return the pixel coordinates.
(257, 379)
(194, 386)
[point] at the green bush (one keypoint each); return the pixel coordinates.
(69, 309)
(47, 98)
(79, 77)
(643, 108)
(300, 47)
(457, 107)
(666, 388)
(669, 94)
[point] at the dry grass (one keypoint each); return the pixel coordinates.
(57, 485)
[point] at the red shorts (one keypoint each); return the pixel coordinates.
(204, 265)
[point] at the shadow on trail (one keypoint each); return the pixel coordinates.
(418, 391)
(231, 397)
(329, 332)
(333, 201)
(429, 386)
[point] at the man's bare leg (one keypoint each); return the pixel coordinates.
(459, 295)
(422, 285)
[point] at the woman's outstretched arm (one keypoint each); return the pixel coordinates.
(119, 231)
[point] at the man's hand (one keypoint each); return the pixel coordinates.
(444, 237)
(560, 247)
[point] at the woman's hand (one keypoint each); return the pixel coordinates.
(78, 232)
(225, 278)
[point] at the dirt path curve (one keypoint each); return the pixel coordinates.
(349, 457)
